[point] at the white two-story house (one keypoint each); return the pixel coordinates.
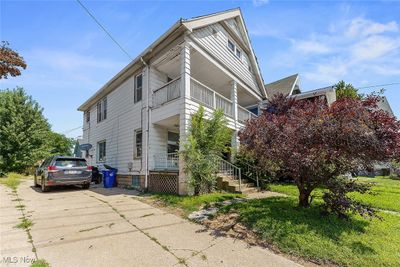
(138, 121)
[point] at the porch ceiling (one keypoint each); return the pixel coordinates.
(171, 123)
(207, 73)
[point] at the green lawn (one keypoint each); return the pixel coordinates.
(12, 180)
(386, 192)
(192, 203)
(311, 234)
(308, 233)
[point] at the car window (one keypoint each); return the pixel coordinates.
(69, 163)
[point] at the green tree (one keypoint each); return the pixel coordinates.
(206, 142)
(23, 131)
(344, 90)
(25, 134)
(59, 144)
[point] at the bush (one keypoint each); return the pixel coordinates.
(336, 199)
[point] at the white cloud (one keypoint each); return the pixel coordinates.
(360, 27)
(374, 47)
(310, 46)
(258, 3)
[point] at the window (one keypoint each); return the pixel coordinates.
(173, 142)
(231, 46)
(238, 53)
(136, 180)
(101, 151)
(102, 110)
(235, 50)
(138, 143)
(70, 163)
(87, 116)
(138, 87)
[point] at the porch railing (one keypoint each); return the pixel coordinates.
(244, 114)
(166, 161)
(227, 168)
(168, 92)
(208, 97)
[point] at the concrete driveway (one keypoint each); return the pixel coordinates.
(111, 227)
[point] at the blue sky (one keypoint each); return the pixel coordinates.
(69, 57)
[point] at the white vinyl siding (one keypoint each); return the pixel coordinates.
(217, 46)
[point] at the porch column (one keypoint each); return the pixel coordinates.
(234, 98)
(184, 114)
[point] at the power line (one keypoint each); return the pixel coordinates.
(71, 130)
(378, 85)
(104, 29)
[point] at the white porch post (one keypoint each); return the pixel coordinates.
(184, 113)
(234, 98)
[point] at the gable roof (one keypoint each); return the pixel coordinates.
(240, 35)
(284, 86)
(180, 26)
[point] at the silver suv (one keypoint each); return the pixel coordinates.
(58, 170)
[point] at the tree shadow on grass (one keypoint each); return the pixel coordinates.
(280, 220)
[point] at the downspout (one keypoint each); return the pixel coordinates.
(148, 124)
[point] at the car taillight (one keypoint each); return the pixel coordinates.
(89, 168)
(52, 168)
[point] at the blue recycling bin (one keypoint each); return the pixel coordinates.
(109, 177)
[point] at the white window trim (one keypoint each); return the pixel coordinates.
(135, 155)
(135, 89)
(103, 110)
(98, 151)
(235, 50)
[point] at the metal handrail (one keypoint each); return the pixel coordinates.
(257, 171)
(168, 83)
(230, 169)
(166, 161)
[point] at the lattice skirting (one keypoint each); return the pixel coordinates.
(160, 182)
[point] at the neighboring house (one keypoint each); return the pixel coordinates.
(138, 121)
(290, 86)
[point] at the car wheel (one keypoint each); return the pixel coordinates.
(44, 188)
(35, 182)
(86, 186)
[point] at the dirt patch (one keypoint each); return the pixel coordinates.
(229, 225)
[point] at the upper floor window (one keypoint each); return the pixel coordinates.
(87, 116)
(231, 46)
(101, 151)
(235, 50)
(102, 110)
(138, 87)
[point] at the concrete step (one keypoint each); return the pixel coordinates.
(228, 184)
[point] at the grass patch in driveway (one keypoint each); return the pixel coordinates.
(310, 234)
(12, 180)
(40, 263)
(189, 204)
(24, 224)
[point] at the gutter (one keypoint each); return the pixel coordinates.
(148, 50)
(148, 124)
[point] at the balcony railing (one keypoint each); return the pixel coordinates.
(168, 92)
(244, 114)
(209, 97)
(166, 161)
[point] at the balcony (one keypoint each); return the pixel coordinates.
(202, 94)
(166, 93)
(166, 161)
(209, 98)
